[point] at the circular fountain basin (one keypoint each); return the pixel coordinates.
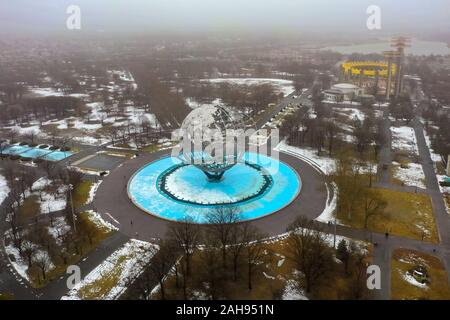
(169, 189)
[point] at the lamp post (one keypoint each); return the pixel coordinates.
(334, 238)
(71, 207)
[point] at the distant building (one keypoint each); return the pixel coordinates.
(350, 91)
(342, 93)
(372, 76)
(335, 96)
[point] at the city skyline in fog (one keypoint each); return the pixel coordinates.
(295, 16)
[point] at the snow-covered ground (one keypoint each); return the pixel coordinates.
(292, 292)
(434, 156)
(49, 201)
(325, 164)
(46, 92)
(122, 266)
(97, 219)
(4, 189)
(411, 280)
(20, 264)
(85, 130)
(283, 86)
(93, 191)
(193, 104)
(328, 214)
(32, 129)
(17, 262)
(411, 176)
(404, 139)
(59, 229)
(352, 113)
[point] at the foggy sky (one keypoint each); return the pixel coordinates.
(334, 16)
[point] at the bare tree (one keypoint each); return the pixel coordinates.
(308, 249)
(161, 264)
(254, 251)
(374, 205)
(211, 271)
(221, 222)
(43, 262)
(29, 249)
(238, 238)
(186, 236)
(358, 283)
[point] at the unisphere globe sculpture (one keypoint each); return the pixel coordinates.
(214, 167)
(213, 140)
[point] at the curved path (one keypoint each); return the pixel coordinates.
(112, 201)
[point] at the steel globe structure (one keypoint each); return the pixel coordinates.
(212, 140)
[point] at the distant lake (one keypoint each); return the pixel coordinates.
(418, 47)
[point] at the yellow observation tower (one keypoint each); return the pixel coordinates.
(370, 75)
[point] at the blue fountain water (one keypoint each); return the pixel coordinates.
(36, 153)
(190, 184)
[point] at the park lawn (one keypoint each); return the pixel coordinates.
(4, 296)
(411, 180)
(402, 261)
(29, 208)
(269, 279)
(103, 285)
(334, 288)
(81, 193)
(120, 154)
(407, 215)
(150, 148)
(263, 288)
(100, 234)
(154, 147)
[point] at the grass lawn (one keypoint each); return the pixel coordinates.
(29, 208)
(98, 234)
(104, 284)
(153, 148)
(120, 154)
(407, 214)
(269, 278)
(402, 261)
(4, 296)
(111, 278)
(81, 193)
(264, 288)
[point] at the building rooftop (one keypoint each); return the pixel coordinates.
(345, 86)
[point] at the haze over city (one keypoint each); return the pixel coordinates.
(205, 16)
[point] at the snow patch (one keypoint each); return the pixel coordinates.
(126, 264)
